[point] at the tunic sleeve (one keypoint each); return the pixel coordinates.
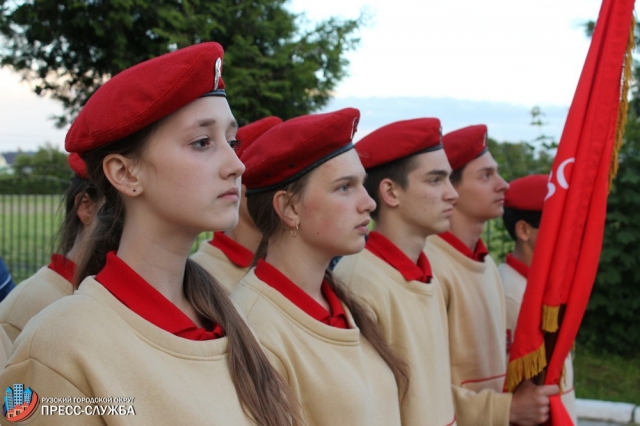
(491, 406)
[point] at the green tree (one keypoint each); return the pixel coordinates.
(47, 161)
(68, 48)
(611, 323)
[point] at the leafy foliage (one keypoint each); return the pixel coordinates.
(45, 172)
(68, 48)
(611, 323)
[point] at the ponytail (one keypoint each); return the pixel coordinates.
(262, 392)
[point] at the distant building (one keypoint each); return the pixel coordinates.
(8, 159)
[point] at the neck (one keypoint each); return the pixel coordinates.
(159, 255)
(467, 230)
(74, 254)
(523, 254)
(245, 234)
(289, 256)
(409, 240)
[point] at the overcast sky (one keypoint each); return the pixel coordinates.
(503, 55)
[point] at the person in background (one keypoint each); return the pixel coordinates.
(229, 254)
(147, 322)
(523, 204)
(408, 177)
(474, 296)
(6, 282)
(306, 195)
(51, 282)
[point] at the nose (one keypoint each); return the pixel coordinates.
(231, 164)
(502, 185)
(450, 194)
(367, 203)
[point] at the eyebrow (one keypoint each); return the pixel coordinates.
(350, 178)
(438, 172)
(488, 169)
(210, 122)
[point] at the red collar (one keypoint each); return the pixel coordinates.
(478, 254)
(518, 265)
(63, 266)
(139, 296)
(274, 278)
(236, 253)
(382, 247)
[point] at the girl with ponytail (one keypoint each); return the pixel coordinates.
(306, 195)
(148, 331)
(51, 282)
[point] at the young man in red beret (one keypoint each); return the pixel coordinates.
(408, 177)
(229, 254)
(473, 293)
(523, 205)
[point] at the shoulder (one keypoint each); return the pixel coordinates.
(54, 331)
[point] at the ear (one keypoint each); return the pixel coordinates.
(389, 193)
(123, 174)
(522, 230)
(286, 208)
(86, 209)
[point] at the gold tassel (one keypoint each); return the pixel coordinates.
(550, 318)
(526, 367)
(623, 109)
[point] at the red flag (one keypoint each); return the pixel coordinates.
(569, 243)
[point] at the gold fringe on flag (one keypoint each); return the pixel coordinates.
(550, 318)
(623, 109)
(526, 367)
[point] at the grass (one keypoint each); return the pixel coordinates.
(607, 377)
(28, 227)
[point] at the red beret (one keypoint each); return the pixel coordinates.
(398, 140)
(145, 93)
(292, 149)
(527, 193)
(252, 131)
(464, 145)
(78, 166)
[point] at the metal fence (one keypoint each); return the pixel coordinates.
(29, 222)
(29, 225)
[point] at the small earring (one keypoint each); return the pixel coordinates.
(296, 234)
(134, 190)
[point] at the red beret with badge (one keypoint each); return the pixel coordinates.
(145, 93)
(464, 145)
(527, 193)
(78, 165)
(399, 140)
(292, 149)
(252, 131)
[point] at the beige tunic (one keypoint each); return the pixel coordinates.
(5, 348)
(336, 375)
(91, 345)
(413, 319)
(215, 262)
(514, 285)
(477, 333)
(30, 297)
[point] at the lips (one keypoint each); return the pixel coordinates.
(233, 192)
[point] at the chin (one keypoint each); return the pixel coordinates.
(225, 224)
